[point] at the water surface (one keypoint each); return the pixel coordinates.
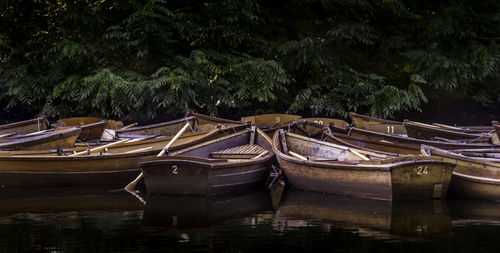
(112, 220)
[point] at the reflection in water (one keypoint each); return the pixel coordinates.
(474, 212)
(73, 219)
(99, 220)
(373, 218)
(180, 212)
(65, 199)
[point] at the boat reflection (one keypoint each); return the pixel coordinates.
(374, 218)
(474, 212)
(66, 204)
(182, 212)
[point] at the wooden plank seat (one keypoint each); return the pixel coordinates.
(246, 151)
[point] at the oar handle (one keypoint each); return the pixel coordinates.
(164, 150)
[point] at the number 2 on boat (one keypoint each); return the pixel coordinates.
(174, 169)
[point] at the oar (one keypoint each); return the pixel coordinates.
(132, 184)
(99, 148)
(129, 126)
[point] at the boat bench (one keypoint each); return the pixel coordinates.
(247, 151)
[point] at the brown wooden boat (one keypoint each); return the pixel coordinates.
(370, 217)
(235, 162)
(328, 121)
(48, 140)
(81, 121)
(92, 128)
(197, 122)
(25, 127)
(205, 122)
(377, 124)
(114, 165)
(267, 120)
(320, 166)
(388, 140)
(473, 177)
(431, 132)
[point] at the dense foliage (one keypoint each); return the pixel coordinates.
(147, 58)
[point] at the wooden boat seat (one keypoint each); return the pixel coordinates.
(247, 151)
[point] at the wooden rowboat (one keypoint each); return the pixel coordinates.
(473, 177)
(197, 122)
(377, 124)
(92, 128)
(48, 140)
(235, 162)
(81, 121)
(114, 165)
(432, 132)
(25, 127)
(393, 140)
(268, 120)
(205, 122)
(320, 166)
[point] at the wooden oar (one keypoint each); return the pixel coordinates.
(99, 148)
(129, 126)
(130, 187)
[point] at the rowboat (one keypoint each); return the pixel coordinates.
(314, 165)
(189, 212)
(114, 164)
(473, 177)
(392, 139)
(92, 128)
(377, 124)
(25, 127)
(327, 121)
(268, 120)
(369, 217)
(196, 121)
(374, 145)
(47, 140)
(205, 122)
(81, 121)
(432, 132)
(230, 163)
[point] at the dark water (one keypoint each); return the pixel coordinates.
(102, 220)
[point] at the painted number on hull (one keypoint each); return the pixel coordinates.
(422, 170)
(174, 169)
(390, 129)
(278, 119)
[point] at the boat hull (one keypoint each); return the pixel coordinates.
(25, 127)
(464, 186)
(405, 181)
(189, 177)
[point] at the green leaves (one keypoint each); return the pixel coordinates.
(156, 57)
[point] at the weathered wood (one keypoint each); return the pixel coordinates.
(428, 132)
(115, 166)
(284, 146)
(98, 148)
(26, 126)
(50, 140)
(409, 177)
(377, 124)
(472, 177)
(192, 171)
